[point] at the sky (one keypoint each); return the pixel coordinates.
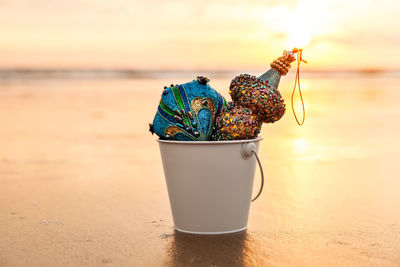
(208, 34)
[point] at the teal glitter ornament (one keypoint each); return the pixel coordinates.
(187, 112)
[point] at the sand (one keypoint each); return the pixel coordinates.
(81, 180)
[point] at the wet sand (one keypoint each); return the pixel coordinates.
(81, 180)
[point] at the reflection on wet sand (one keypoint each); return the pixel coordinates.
(208, 250)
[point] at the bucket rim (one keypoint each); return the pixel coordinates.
(259, 138)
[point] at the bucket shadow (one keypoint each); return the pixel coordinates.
(207, 250)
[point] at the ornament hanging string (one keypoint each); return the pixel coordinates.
(297, 82)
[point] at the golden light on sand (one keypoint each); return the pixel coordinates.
(300, 145)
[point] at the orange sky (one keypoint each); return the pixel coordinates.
(206, 34)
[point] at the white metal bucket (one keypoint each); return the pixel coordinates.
(210, 183)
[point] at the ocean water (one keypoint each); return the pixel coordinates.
(81, 180)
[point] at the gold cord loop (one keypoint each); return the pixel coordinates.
(297, 82)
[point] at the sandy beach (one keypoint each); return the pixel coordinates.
(82, 184)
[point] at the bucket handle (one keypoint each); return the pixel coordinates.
(248, 149)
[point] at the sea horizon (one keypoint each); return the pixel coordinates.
(135, 73)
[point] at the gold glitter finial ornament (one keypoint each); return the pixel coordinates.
(256, 100)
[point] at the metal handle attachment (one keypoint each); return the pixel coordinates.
(248, 149)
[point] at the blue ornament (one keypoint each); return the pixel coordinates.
(187, 112)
